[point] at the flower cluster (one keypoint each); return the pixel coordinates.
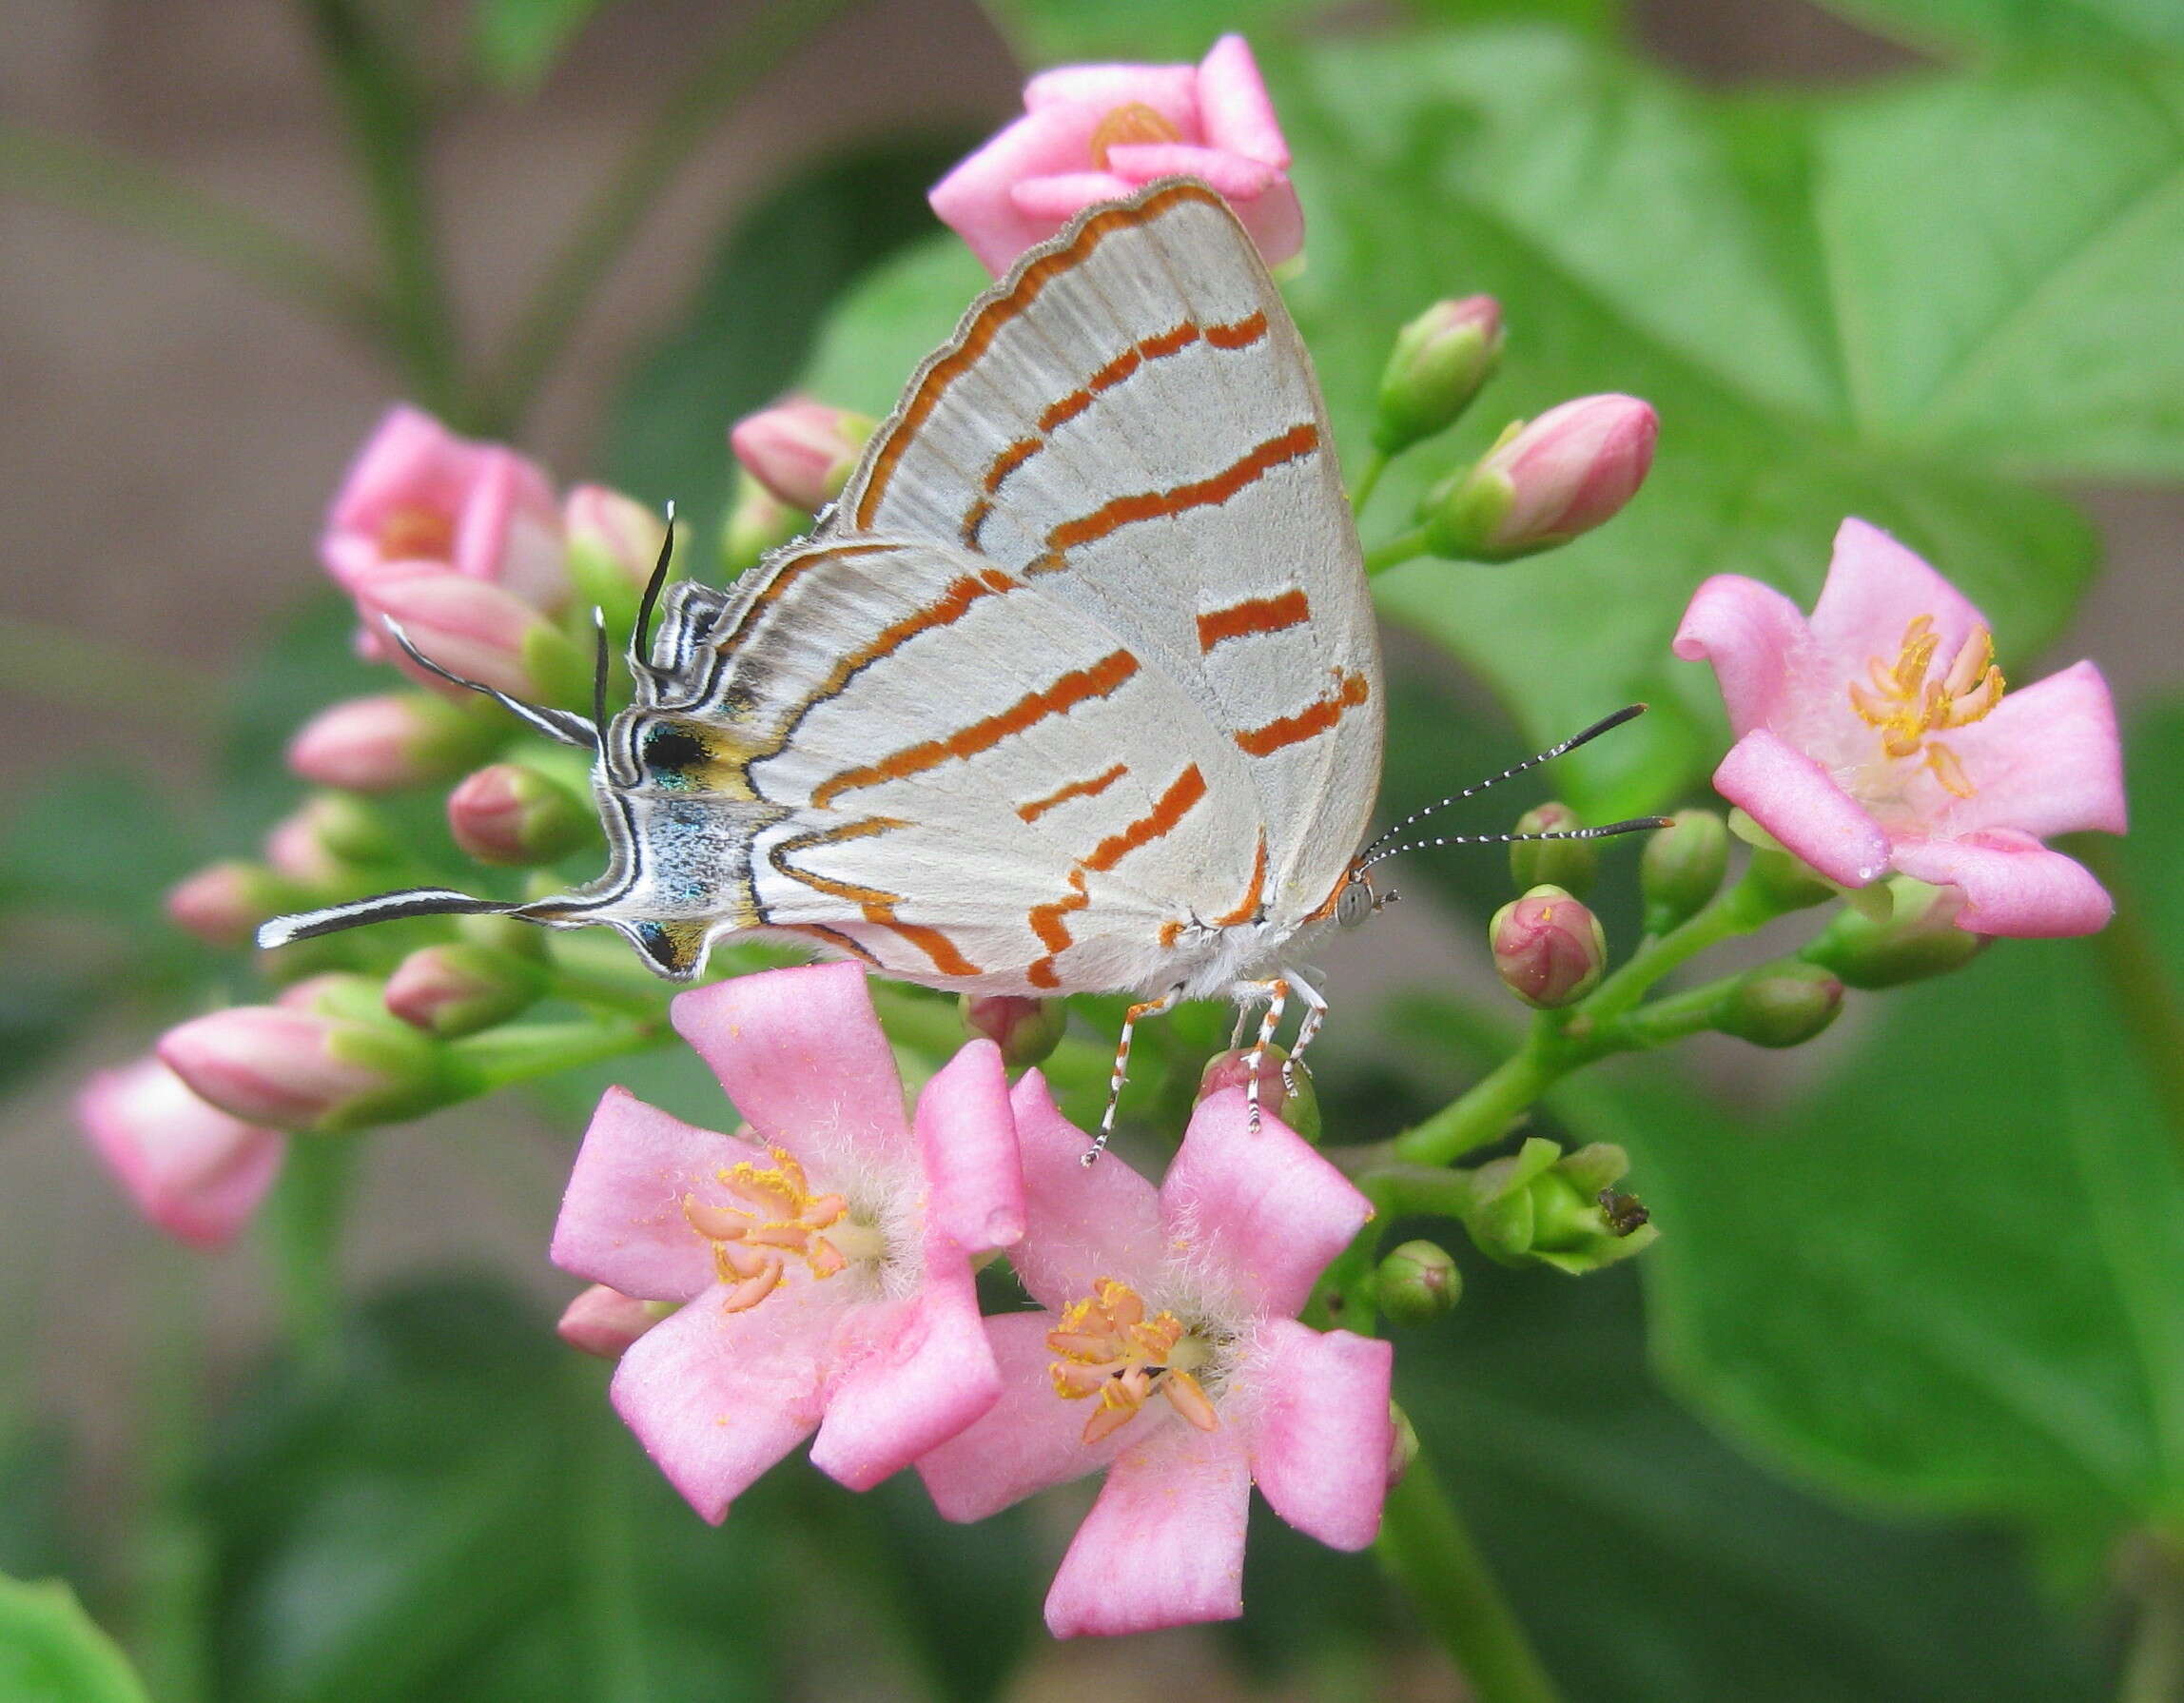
(819, 1266)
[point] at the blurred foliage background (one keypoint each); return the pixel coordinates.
(1896, 1407)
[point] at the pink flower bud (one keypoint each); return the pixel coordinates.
(223, 903)
(1232, 1069)
(613, 541)
(605, 1321)
(316, 845)
(1027, 1031)
(470, 628)
(802, 451)
(1439, 364)
(458, 989)
(385, 743)
(274, 1066)
(294, 849)
(1549, 950)
(514, 816)
(1544, 483)
(191, 1170)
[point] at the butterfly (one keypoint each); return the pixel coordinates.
(1076, 687)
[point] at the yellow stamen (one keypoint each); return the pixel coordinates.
(1110, 1350)
(1906, 706)
(1133, 123)
(772, 1214)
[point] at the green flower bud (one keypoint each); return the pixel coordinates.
(1440, 361)
(1568, 863)
(1027, 1031)
(1786, 882)
(1402, 1445)
(1540, 1204)
(1781, 1005)
(1417, 1282)
(458, 990)
(1544, 483)
(1682, 868)
(1549, 950)
(1917, 938)
(1299, 1107)
(512, 814)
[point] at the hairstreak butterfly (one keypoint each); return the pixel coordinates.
(1076, 688)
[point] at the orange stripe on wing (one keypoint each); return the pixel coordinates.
(1253, 615)
(930, 941)
(1076, 789)
(1247, 908)
(1173, 806)
(986, 324)
(1075, 687)
(1299, 441)
(1045, 922)
(1242, 334)
(1307, 723)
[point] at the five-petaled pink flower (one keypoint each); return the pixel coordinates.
(1876, 738)
(192, 1169)
(1094, 132)
(824, 1264)
(1169, 1353)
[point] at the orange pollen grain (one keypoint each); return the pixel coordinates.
(1912, 699)
(1132, 122)
(415, 535)
(1112, 1353)
(769, 1216)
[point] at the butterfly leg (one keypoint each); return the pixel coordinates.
(1276, 993)
(1151, 1007)
(1315, 1014)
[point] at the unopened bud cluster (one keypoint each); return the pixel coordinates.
(1540, 1204)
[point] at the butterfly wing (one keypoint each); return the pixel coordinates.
(903, 750)
(1130, 422)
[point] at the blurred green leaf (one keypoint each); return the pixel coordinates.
(756, 314)
(516, 42)
(52, 1653)
(453, 1512)
(1048, 32)
(2023, 25)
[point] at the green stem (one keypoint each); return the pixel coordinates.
(171, 1566)
(302, 1232)
(1368, 479)
(1734, 910)
(602, 234)
(1424, 1548)
(1660, 1020)
(524, 1051)
(1487, 1111)
(2142, 993)
(1403, 547)
(379, 95)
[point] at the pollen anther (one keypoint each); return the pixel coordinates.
(1112, 1352)
(770, 1214)
(1908, 707)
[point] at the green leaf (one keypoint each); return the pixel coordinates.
(52, 1653)
(515, 43)
(2108, 26)
(1048, 32)
(756, 312)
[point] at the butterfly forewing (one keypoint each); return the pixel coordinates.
(1130, 422)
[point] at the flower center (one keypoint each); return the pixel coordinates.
(1132, 122)
(772, 1216)
(1110, 1350)
(415, 534)
(1912, 701)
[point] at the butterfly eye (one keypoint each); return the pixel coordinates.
(1355, 905)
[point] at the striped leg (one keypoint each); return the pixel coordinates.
(1151, 1007)
(1276, 993)
(1315, 1014)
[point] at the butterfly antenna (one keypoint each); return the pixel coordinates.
(1635, 825)
(1605, 724)
(599, 665)
(562, 726)
(641, 637)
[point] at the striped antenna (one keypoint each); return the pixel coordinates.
(641, 635)
(557, 725)
(1605, 724)
(1635, 825)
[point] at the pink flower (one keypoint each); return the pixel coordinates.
(1169, 1354)
(418, 494)
(468, 627)
(192, 1170)
(299, 1065)
(800, 450)
(1877, 738)
(824, 1264)
(1547, 482)
(385, 743)
(1094, 132)
(605, 1321)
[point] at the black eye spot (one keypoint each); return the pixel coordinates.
(673, 752)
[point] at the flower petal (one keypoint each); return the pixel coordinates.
(1260, 1213)
(801, 1055)
(1749, 632)
(926, 1372)
(1793, 798)
(192, 1169)
(2045, 760)
(974, 201)
(1320, 1444)
(1082, 1222)
(2012, 883)
(967, 1145)
(1163, 1545)
(510, 529)
(1233, 108)
(621, 1220)
(1028, 1440)
(717, 1397)
(1052, 200)
(1876, 588)
(1172, 90)
(1238, 178)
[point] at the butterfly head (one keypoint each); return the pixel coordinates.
(1355, 897)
